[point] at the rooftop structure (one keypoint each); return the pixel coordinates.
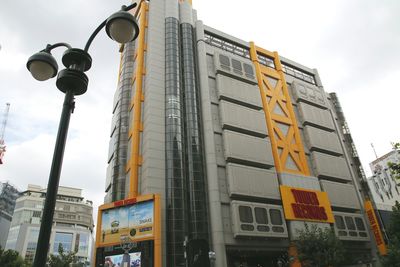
(72, 226)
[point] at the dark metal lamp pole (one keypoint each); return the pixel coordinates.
(121, 27)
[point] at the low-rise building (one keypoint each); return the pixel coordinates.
(72, 223)
(8, 195)
(384, 188)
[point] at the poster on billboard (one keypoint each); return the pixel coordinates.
(123, 260)
(134, 221)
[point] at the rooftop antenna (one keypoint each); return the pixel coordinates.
(373, 148)
(2, 130)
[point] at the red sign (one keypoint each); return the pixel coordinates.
(375, 228)
(308, 205)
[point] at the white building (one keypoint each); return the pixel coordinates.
(72, 223)
(385, 190)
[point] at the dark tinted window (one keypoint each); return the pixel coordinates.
(236, 64)
(353, 233)
(261, 215)
(245, 214)
(247, 227)
(360, 224)
(263, 228)
(339, 222)
(363, 234)
(278, 229)
(350, 223)
(276, 217)
(224, 60)
(248, 69)
(342, 233)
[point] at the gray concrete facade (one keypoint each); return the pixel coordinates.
(240, 184)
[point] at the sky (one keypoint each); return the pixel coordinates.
(354, 44)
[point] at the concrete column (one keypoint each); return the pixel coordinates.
(215, 211)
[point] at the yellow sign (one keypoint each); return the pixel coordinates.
(375, 227)
(133, 218)
(306, 205)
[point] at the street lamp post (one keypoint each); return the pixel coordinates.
(121, 27)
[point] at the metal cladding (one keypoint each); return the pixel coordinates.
(244, 146)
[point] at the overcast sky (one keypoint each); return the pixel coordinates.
(353, 43)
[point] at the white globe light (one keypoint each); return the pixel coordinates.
(122, 27)
(122, 30)
(41, 71)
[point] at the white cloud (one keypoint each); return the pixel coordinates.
(353, 44)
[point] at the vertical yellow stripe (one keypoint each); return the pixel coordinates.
(98, 234)
(135, 159)
(285, 146)
(376, 230)
(268, 120)
(157, 231)
(295, 127)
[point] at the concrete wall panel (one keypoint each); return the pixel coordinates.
(341, 195)
(235, 116)
(323, 141)
(236, 91)
(250, 181)
(241, 148)
(311, 115)
(304, 92)
(327, 166)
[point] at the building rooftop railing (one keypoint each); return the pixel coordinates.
(244, 52)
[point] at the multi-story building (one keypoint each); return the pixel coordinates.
(243, 145)
(72, 223)
(8, 195)
(384, 188)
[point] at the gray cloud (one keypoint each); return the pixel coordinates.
(354, 44)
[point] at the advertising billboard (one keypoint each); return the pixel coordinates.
(376, 230)
(306, 205)
(135, 221)
(121, 260)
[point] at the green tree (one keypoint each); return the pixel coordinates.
(63, 259)
(392, 259)
(319, 248)
(11, 258)
(395, 167)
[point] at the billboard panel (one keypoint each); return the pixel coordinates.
(121, 260)
(306, 205)
(134, 220)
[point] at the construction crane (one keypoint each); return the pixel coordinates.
(2, 130)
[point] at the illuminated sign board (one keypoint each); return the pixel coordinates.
(375, 227)
(130, 260)
(306, 205)
(130, 217)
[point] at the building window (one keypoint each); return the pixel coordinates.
(30, 251)
(12, 238)
(360, 224)
(224, 60)
(339, 222)
(63, 239)
(261, 215)
(37, 214)
(276, 217)
(350, 223)
(245, 214)
(83, 243)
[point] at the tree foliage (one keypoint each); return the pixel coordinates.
(319, 248)
(63, 259)
(395, 166)
(392, 259)
(11, 258)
